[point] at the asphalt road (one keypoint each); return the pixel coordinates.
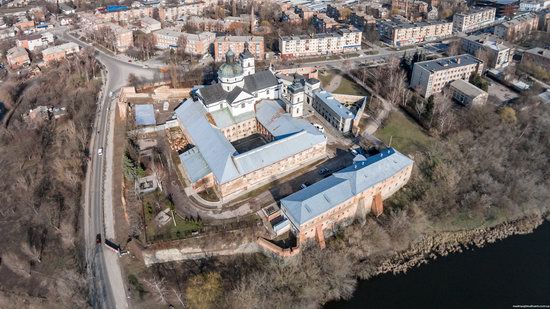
(107, 289)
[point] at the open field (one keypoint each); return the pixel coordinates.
(407, 136)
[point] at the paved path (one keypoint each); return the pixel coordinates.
(107, 288)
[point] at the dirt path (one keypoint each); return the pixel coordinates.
(334, 83)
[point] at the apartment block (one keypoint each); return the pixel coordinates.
(475, 19)
(498, 53)
(537, 57)
(518, 27)
(533, 5)
(377, 10)
(361, 20)
(222, 44)
(117, 13)
(124, 38)
(196, 44)
(33, 41)
(340, 41)
(430, 77)
(291, 17)
(17, 56)
(503, 7)
(400, 32)
(56, 53)
(321, 22)
(413, 10)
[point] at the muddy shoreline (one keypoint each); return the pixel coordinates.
(430, 247)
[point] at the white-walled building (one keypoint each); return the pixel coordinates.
(430, 77)
(341, 41)
(475, 19)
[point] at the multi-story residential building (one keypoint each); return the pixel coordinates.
(467, 94)
(195, 44)
(117, 13)
(321, 22)
(56, 53)
(361, 20)
(412, 10)
(149, 24)
(173, 13)
(340, 41)
(350, 193)
(237, 44)
(304, 12)
(399, 32)
(124, 38)
(333, 111)
(33, 41)
(503, 7)
(291, 17)
(537, 57)
(497, 53)
(336, 11)
(430, 77)
(377, 10)
(518, 27)
(533, 5)
(17, 56)
(475, 19)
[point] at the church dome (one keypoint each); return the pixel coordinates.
(230, 68)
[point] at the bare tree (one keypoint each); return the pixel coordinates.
(159, 289)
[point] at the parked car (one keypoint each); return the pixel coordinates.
(303, 186)
(100, 151)
(98, 239)
(324, 171)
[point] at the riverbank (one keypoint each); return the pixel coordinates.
(430, 247)
(510, 272)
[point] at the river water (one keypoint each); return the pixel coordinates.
(513, 271)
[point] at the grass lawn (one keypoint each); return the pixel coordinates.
(348, 86)
(184, 227)
(325, 76)
(408, 136)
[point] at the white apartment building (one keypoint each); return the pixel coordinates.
(341, 41)
(499, 53)
(473, 20)
(196, 44)
(398, 32)
(533, 5)
(430, 77)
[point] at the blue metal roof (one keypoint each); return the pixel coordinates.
(311, 202)
(145, 115)
(216, 150)
(194, 164)
(333, 104)
(292, 136)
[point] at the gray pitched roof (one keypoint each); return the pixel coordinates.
(311, 202)
(216, 150)
(260, 80)
(212, 94)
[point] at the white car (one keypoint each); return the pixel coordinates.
(100, 151)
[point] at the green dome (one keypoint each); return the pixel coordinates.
(228, 70)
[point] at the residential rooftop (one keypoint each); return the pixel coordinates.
(448, 63)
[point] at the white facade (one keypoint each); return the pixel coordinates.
(320, 44)
(475, 20)
(533, 5)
